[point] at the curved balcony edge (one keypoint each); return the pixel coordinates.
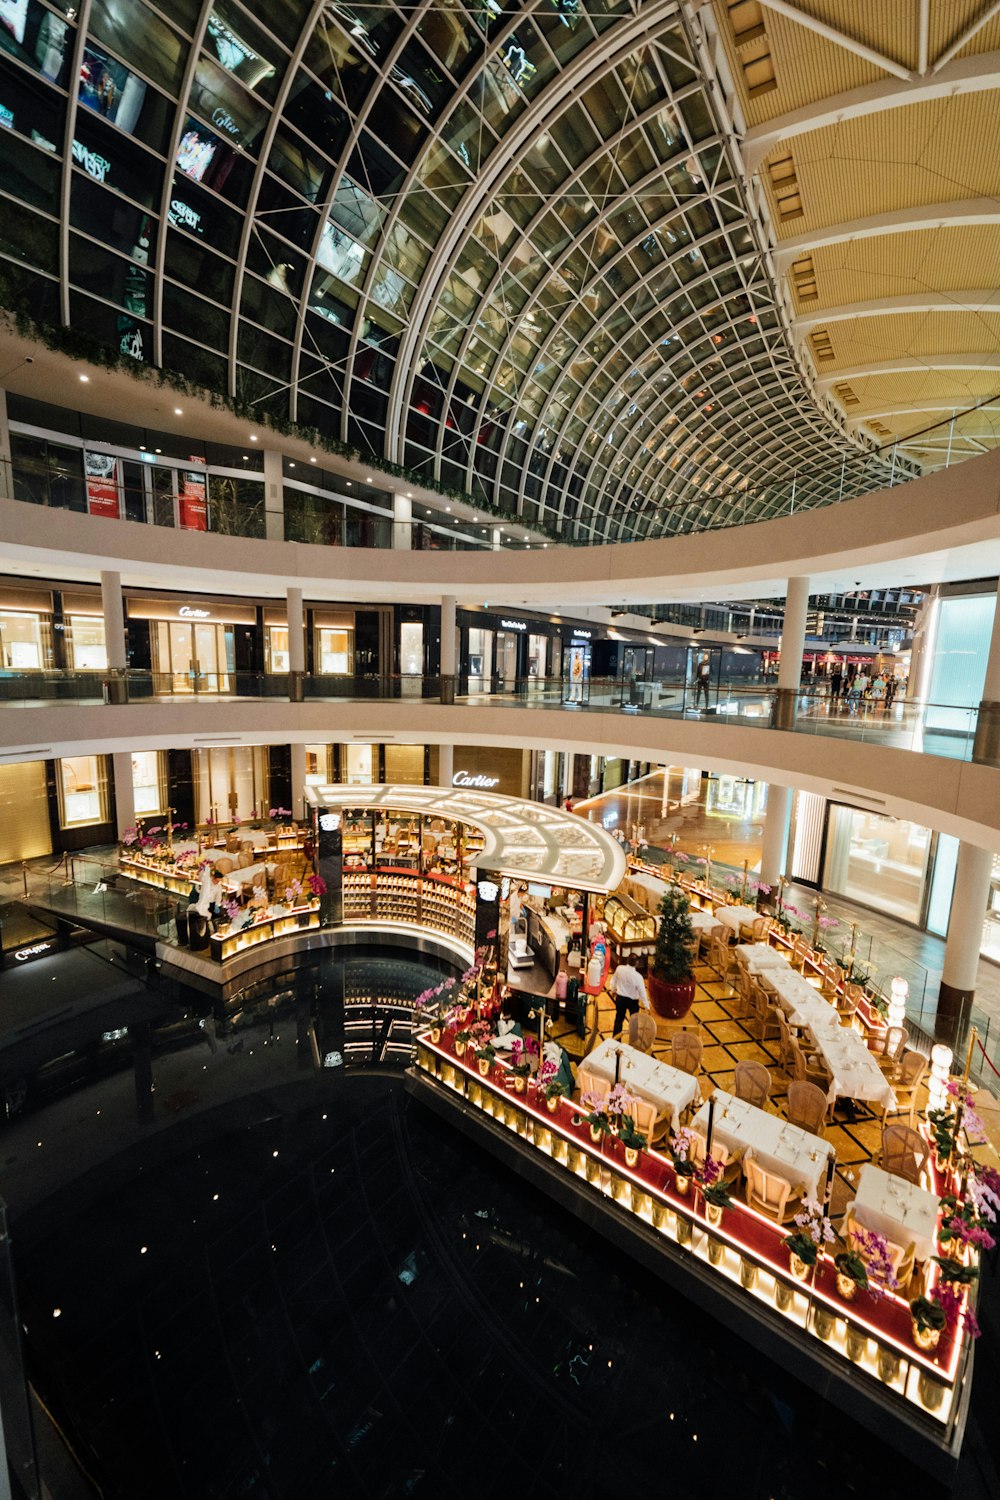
(951, 796)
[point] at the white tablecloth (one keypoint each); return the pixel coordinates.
(735, 917)
(801, 1002)
(703, 921)
(758, 956)
(856, 1074)
(777, 1145)
(899, 1210)
(646, 889)
(670, 1089)
(252, 873)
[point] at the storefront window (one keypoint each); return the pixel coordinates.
(147, 782)
(480, 661)
(359, 762)
(230, 783)
(194, 658)
(881, 862)
(83, 794)
(336, 652)
(317, 765)
(24, 641)
(277, 648)
(537, 655)
(87, 649)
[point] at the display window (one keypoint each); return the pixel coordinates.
(876, 860)
(85, 639)
(335, 651)
(195, 658)
(318, 765)
(83, 790)
(480, 661)
(277, 648)
(25, 641)
(537, 655)
(230, 782)
(360, 762)
(149, 782)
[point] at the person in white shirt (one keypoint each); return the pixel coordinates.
(629, 990)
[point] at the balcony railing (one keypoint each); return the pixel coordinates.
(941, 729)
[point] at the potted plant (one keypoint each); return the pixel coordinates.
(596, 1116)
(520, 1065)
(851, 1274)
(485, 1050)
(927, 1322)
(671, 983)
(680, 1155)
(632, 1139)
(942, 1123)
(955, 1271)
(716, 1193)
(462, 1038)
(812, 1230)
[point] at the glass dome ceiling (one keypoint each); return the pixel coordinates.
(508, 248)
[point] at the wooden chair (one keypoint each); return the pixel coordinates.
(800, 950)
(904, 1152)
(912, 1067)
(744, 991)
(891, 1050)
(721, 958)
(831, 978)
(641, 1031)
(760, 928)
(810, 1069)
(709, 935)
(645, 1118)
(769, 1193)
(752, 1082)
(685, 1051)
(846, 1002)
(729, 1160)
(787, 1044)
(807, 1106)
(901, 1259)
(765, 1015)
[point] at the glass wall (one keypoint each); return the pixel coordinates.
(85, 643)
(149, 782)
(335, 651)
(25, 641)
(230, 782)
(879, 861)
(958, 669)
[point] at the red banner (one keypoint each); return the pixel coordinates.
(102, 485)
(193, 506)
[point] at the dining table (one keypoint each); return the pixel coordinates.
(670, 1089)
(777, 1145)
(853, 1069)
(758, 956)
(703, 921)
(802, 1003)
(736, 917)
(897, 1209)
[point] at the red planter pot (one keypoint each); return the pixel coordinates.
(671, 1001)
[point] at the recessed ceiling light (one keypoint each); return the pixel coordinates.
(253, 437)
(368, 479)
(85, 378)
(178, 412)
(290, 464)
(312, 460)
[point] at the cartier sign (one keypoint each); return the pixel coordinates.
(464, 778)
(187, 613)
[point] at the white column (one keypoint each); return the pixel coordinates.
(496, 539)
(296, 643)
(965, 934)
(774, 848)
(274, 497)
(446, 763)
(402, 518)
(113, 607)
(298, 777)
(449, 653)
(121, 764)
(793, 639)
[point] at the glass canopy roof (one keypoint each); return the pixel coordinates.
(508, 248)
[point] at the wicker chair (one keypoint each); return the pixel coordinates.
(904, 1152)
(912, 1067)
(685, 1051)
(847, 1001)
(708, 936)
(752, 1082)
(810, 1069)
(800, 950)
(891, 1049)
(787, 1043)
(770, 1194)
(765, 1015)
(721, 958)
(641, 1030)
(731, 1161)
(760, 928)
(807, 1106)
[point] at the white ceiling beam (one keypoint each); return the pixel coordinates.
(969, 75)
(964, 37)
(923, 35)
(963, 213)
(948, 409)
(983, 300)
(839, 38)
(923, 363)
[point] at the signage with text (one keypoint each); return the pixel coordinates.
(102, 484)
(513, 625)
(21, 955)
(465, 778)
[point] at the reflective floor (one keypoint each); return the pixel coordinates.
(320, 1289)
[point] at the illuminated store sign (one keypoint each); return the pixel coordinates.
(225, 121)
(513, 625)
(463, 778)
(95, 166)
(183, 217)
(187, 613)
(583, 634)
(21, 955)
(488, 890)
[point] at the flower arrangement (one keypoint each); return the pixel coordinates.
(520, 1063)
(596, 1114)
(680, 1152)
(547, 1083)
(949, 1301)
(929, 1319)
(317, 885)
(961, 1223)
(714, 1189)
(293, 892)
(867, 1262)
(813, 1231)
(631, 1138)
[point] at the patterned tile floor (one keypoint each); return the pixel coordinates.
(728, 1039)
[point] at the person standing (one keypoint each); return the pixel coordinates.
(628, 989)
(836, 678)
(702, 680)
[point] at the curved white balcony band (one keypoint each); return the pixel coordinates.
(943, 527)
(951, 796)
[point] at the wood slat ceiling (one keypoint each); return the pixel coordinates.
(909, 156)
